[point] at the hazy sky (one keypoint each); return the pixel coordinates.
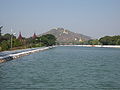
(94, 18)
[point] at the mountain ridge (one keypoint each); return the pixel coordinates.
(64, 35)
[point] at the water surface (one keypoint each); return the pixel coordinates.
(63, 68)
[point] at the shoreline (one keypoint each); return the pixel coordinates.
(10, 57)
(24, 53)
(101, 46)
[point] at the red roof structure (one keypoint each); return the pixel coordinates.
(34, 36)
(20, 36)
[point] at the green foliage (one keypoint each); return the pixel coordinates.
(6, 37)
(118, 42)
(44, 40)
(110, 40)
(94, 42)
(48, 39)
(29, 40)
(90, 42)
(105, 40)
(37, 45)
(4, 45)
(16, 43)
(2, 38)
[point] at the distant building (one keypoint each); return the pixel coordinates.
(80, 40)
(65, 31)
(20, 36)
(34, 36)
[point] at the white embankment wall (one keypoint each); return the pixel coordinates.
(104, 46)
(18, 55)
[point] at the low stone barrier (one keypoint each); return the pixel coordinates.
(18, 55)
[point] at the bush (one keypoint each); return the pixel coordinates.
(4, 45)
(118, 42)
(16, 43)
(48, 39)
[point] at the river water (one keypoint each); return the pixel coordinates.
(64, 68)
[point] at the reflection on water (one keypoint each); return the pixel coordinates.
(64, 68)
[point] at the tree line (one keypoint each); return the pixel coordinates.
(106, 40)
(110, 40)
(44, 40)
(48, 40)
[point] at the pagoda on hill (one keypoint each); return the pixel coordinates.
(20, 36)
(34, 36)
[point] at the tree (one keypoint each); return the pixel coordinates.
(5, 45)
(16, 43)
(8, 36)
(2, 38)
(48, 39)
(110, 40)
(107, 40)
(118, 42)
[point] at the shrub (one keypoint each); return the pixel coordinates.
(4, 45)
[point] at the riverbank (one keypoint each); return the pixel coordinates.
(24, 53)
(102, 46)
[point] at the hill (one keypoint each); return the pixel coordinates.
(66, 36)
